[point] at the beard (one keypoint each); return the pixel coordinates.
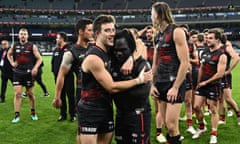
(211, 46)
(23, 40)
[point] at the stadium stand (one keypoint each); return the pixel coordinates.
(52, 14)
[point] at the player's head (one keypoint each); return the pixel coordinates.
(104, 30)
(160, 13)
(61, 38)
(124, 45)
(23, 35)
(214, 37)
(84, 29)
(149, 33)
(4, 44)
(82, 23)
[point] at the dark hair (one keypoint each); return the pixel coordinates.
(184, 26)
(205, 30)
(149, 27)
(216, 32)
(102, 19)
(193, 32)
(23, 29)
(125, 33)
(63, 35)
(223, 38)
(82, 23)
(200, 37)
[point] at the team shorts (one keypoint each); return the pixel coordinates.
(165, 86)
(23, 77)
(94, 117)
(194, 77)
(227, 81)
(210, 91)
(133, 127)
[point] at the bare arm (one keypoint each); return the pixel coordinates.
(182, 53)
(142, 31)
(195, 59)
(154, 91)
(154, 64)
(144, 49)
(93, 64)
(10, 57)
(234, 56)
(63, 71)
(141, 49)
(38, 60)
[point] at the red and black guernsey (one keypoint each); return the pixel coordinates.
(136, 97)
(167, 59)
(150, 50)
(23, 55)
(209, 63)
(78, 53)
(91, 89)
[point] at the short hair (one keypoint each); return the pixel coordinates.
(125, 33)
(205, 30)
(23, 29)
(184, 26)
(149, 27)
(63, 35)
(102, 19)
(200, 37)
(216, 32)
(193, 32)
(223, 37)
(82, 23)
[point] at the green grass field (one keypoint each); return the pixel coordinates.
(48, 131)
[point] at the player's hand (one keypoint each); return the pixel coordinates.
(34, 71)
(154, 92)
(14, 64)
(127, 66)
(57, 103)
(227, 72)
(172, 94)
(144, 77)
(201, 84)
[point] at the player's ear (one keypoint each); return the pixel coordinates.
(97, 33)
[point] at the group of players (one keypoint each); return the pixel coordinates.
(184, 67)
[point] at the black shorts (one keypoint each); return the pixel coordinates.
(165, 86)
(227, 81)
(23, 77)
(133, 128)
(194, 77)
(94, 117)
(210, 91)
(189, 82)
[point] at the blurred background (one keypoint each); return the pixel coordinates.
(44, 18)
